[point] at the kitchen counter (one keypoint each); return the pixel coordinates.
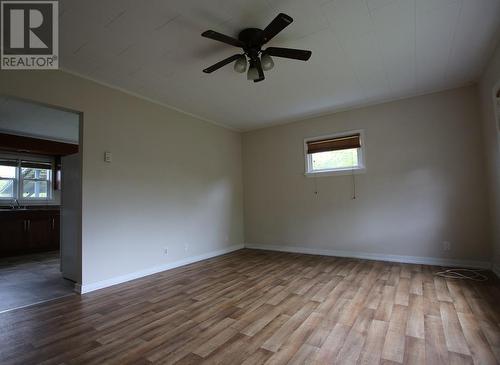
(31, 209)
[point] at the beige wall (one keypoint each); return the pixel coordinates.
(490, 82)
(424, 183)
(175, 181)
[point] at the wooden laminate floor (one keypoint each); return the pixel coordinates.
(255, 307)
(30, 279)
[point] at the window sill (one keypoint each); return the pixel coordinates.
(335, 172)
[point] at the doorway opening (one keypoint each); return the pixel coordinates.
(40, 202)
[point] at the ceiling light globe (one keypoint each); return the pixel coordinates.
(267, 62)
(240, 65)
(252, 74)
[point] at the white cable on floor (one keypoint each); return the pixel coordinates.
(467, 274)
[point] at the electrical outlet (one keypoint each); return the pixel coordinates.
(186, 247)
(165, 251)
(446, 246)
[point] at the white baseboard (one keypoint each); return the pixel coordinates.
(373, 256)
(86, 288)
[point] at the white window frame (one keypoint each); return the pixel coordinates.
(309, 172)
(15, 180)
(18, 183)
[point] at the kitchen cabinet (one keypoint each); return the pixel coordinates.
(28, 231)
(11, 233)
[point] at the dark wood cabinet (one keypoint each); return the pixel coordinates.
(39, 234)
(11, 233)
(55, 230)
(27, 231)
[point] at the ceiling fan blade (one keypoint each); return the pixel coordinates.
(296, 54)
(221, 63)
(216, 36)
(277, 25)
(258, 65)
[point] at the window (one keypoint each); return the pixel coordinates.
(8, 179)
(35, 179)
(334, 154)
(25, 180)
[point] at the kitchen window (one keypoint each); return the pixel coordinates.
(334, 154)
(8, 179)
(26, 180)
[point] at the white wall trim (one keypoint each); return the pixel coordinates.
(374, 256)
(352, 107)
(154, 101)
(86, 288)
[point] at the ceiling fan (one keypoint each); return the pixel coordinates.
(251, 41)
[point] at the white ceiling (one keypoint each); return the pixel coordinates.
(363, 52)
(35, 120)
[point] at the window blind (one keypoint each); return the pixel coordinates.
(8, 162)
(36, 165)
(334, 144)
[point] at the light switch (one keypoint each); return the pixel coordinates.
(107, 157)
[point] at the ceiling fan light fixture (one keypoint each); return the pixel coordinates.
(251, 41)
(240, 66)
(267, 62)
(253, 73)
